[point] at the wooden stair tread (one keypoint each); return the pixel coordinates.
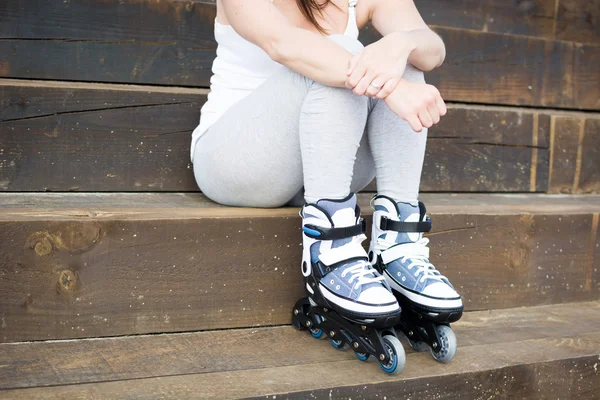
(269, 361)
(15, 206)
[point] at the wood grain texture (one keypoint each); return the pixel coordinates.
(136, 357)
(92, 137)
(528, 369)
(570, 20)
(66, 137)
(167, 42)
(504, 69)
(171, 43)
(575, 151)
(589, 177)
(154, 206)
(88, 272)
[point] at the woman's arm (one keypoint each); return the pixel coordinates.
(406, 38)
(305, 52)
(401, 19)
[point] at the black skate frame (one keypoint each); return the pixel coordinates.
(361, 335)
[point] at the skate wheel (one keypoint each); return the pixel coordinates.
(448, 344)
(361, 356)
(317, 333)
(338, 344)
(396, 353)
(418, 345)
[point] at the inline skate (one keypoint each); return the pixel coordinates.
(429, 301)
(347, 300)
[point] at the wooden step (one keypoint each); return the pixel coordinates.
(57, 136)
(171, 43)
(570, 20)
(89, 265)
(526, 353)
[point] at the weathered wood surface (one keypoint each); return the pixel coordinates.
(575, 154)
(171, 43)
(505, 69)
(92, 271)
(82, 137)
(136, 357)
(570, 20)
(69, 206)
(529, 369)
(93, 137)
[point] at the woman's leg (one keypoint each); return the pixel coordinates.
(399, 221)
(398, 151)
(288, 132)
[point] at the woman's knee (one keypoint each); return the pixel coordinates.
(244, 191)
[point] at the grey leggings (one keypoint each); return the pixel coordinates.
(293, 139)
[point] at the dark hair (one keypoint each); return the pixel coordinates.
(311, 7)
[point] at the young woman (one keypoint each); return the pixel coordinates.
(300, 111)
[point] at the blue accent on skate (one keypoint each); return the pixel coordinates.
(317, 334)
(311, 231)
(380, 208)
(391, 368)
(338, 344)
(361, 356)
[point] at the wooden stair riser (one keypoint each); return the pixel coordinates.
(89, 137)
(87, 277)
(171, 43)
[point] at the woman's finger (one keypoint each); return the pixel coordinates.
(441, 106)
(357, 74)
(376, 86)
(414, 123)
(364, 83)
(352, 63)
(388, 88)
(425, 118)
(434, 112)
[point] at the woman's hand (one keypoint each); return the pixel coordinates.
(378, 68)
(419, 104)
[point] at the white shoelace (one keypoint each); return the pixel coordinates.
(362, 272)
(418, 259)
(359, 273)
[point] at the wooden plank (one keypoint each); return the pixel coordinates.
(575, 147)
(570, 20)
(88, 272)
(528, 369)
(498, 139)
(154, 206)
(565, 143)
(171, 42)
(134, 357)
(506, 69)
(57, 136)
(589, 162)
(578, 20)
(91, 137)
(166, 42)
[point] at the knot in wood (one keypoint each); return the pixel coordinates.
(67, 279)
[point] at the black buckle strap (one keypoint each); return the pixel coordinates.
(397, 226)
(321, 233)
